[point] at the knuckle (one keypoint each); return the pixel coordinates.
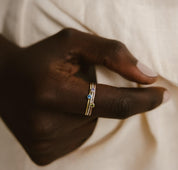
(46, 94)
(41, 158)
(44, 98)
(39, 145)
(67, 32)
(40, 161)
(117, 46)
(125, 106)
(42, 126)
(122, 107)
(116, 51)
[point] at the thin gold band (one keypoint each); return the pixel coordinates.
(91, 99)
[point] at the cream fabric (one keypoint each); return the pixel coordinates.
(149, 28)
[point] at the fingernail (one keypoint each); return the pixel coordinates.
(145, 70)
(166, 96)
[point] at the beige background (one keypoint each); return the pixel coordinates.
(149, 28)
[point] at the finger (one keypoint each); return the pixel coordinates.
(122, 103)
(70, 44)
(110, 53)
(111, 102)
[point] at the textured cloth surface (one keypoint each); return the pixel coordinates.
(149, 28)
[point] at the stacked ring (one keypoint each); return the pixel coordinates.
(91, 99)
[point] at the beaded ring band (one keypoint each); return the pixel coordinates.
(91, 99)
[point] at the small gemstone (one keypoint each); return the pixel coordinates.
(92, 105)
(89, 96)
(92, 89)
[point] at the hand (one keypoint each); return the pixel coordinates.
(44, 87)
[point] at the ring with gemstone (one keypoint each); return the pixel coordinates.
(91, 99)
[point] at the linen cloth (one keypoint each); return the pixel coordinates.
(149, 28)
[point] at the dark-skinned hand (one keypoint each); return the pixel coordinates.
(44, 87)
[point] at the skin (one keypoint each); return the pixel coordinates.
(44, 87)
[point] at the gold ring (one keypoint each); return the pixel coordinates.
(91, 99)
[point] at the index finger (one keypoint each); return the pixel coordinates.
(110, 102)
